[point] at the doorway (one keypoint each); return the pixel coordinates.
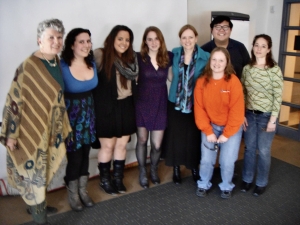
(289, 62)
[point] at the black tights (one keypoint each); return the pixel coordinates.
(78, 163)
(156, 137)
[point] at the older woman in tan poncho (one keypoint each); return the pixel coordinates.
(35, 123)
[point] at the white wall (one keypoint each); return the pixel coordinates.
(262, 20)
(19, 20)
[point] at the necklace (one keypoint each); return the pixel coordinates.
(50, 64)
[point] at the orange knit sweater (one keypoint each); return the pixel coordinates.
(220, 102)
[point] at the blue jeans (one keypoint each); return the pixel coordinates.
(256, 138)
(228, 155)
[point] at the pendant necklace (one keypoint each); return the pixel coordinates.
(50, 64)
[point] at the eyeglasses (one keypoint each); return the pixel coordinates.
(219, 27)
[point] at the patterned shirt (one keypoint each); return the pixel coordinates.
(263, 88)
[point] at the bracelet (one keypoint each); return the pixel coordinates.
(272, 122)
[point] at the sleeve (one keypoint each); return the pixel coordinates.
(98, 55)
(171, 56)
(13, 108)
(277, 83)
(243, 80)
(236, 108)
(201, 118)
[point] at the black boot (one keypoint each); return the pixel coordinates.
(83, 194)
(176, 175)
(39, 213)
(154, 175)
(143, 177)
(73, 196)
(118, 175)
(105, 179)
(195, 174)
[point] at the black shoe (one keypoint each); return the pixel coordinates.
(245, 186)
(201, 192)
(176, 175)
(258, 191)
(225, 194)
(195, 174)
(108, 188)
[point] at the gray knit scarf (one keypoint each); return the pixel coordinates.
(130, 71)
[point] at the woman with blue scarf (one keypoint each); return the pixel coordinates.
(181, 144)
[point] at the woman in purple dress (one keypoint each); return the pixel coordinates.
(151, 104)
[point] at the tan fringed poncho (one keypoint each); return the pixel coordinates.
(34, 115)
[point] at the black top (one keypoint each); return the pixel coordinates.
(238, 54)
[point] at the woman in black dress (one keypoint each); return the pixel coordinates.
(114, 107)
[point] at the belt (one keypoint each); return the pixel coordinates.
(255, 111)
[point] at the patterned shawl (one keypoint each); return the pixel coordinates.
(34, 115)
(185, 85)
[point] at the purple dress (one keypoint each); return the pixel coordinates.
(152, 95)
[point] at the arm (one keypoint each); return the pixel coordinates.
(277, 84)
(12, 112)
(243, 78)
(201, 118)
(170, 74)
(236, 108)
(98, 55)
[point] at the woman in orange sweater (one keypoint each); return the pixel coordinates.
(219, 114)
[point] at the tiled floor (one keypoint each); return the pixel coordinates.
(12, 208)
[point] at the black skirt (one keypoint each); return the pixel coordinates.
(120, 121)
(182, 139)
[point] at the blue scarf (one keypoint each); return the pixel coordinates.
(184, 92)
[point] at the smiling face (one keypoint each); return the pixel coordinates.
(152, 42)
(122, 42)
(82, 45)
(50, 42)
(260, 48)
(221, 34)
(218, 62)
(188, 39)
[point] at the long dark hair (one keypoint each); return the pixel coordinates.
(270, 62)
(207, 72)
(110, 53)
(162, 57)
(68, 55)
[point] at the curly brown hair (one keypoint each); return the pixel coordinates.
(110, 54)
(270, 62)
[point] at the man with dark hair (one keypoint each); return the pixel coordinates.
(221, 28)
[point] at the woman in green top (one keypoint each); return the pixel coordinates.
(263, 83)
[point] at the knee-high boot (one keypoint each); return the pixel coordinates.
(105, 178)
(143, 177)
(73, 195)
(83, 194)
(154, 156)
(176, 175)
(118, 175)
(39, 213)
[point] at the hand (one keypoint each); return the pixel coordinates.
(11, 144)
(245, 124)
(271, 127)
(222, 139)
(211, 138)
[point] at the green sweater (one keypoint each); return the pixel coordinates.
(263, 88)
